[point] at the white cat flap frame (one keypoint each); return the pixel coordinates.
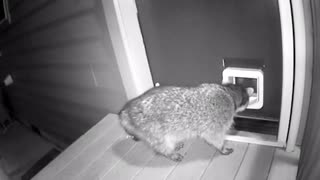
(230, 74)
(129, 48)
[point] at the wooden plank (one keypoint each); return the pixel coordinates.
(108, 160)
(81, 162)
(83, 26)
(72, 54)
(159, 167)
(131, 164)
(77, 147)
(98, 98)
(58, 107)
(40, 14)
(284, 165)
(226, 167)
(195, 162)
(23, 8)
(256, 163)
(72, 77)
(58, 124)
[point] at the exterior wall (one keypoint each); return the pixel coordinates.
(59, 53)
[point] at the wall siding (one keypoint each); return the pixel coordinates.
(65, 73)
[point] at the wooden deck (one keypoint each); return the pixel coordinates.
(104, 153)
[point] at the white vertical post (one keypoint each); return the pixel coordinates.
(300, 101)
(128, 45)
(287, 69)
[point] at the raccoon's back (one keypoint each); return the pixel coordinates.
(156, 105)
(180, 108)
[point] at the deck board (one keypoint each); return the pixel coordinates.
(159, 168)
(88, 156)
(197, 159)
(108, 160)
(284, 165)
(256, 164)
(77, 147)
(226, 167)
(131, 164)
(105, 153)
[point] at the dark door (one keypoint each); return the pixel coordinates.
(186, 41)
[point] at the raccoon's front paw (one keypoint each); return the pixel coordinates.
(226, 151)
(133, 137)
(176, 157)
(179, 146)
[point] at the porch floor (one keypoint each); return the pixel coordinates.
(104, 153)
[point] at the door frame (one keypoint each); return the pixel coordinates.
(303, 34)
(128, 45)
(129, 48)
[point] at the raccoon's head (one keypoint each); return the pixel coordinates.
(240, 95)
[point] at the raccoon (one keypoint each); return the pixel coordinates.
(164, 117)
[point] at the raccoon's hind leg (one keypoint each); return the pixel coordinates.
(132, 136)
(135, 138)
(129, 128)
(217, 141)
(179, 146)
(166, 146)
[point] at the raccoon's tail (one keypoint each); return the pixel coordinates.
(129, 127)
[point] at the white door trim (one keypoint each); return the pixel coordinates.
(287, 68)
(125, 32)
(303, 68)
(128, 45)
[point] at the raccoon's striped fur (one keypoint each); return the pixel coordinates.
(165, 116)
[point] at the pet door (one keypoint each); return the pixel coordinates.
(249, 78)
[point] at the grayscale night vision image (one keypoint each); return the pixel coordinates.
(159, 89)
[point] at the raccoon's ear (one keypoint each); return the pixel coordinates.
(250, 91)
